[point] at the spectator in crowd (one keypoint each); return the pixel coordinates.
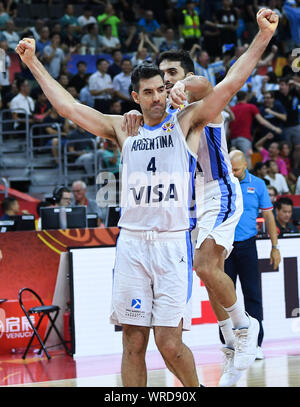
(121, 84)
(291, 10)
(284, 211)
(116, 67)
(142, 53)
(100, 85)
(189, 25)
(260, 171)
(169, 41)
(85, 96)
(212, 37)
(111, 158)
(131, 42)
(62, 196)
(272, 153)
(70, 39)
(109, 17)
(148, 25)
(203, 66)
(273, 194)
(79, 80)
(4, 16)
(52, 120)
(35, 29)
(273, 111)
(86, 18)
(64, 80)
(69, 18)
(227, 20)
(22, 101)
(285, 154)
(11, 35)
(10, 208)
(276, 179)
(54, 56)
(289, 96)
(43, 41)
(108, 41)
(42, 107)
(92, 40)
(240, 127)
(5, 81)
(79, 189)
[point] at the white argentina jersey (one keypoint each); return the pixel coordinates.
(158, 176)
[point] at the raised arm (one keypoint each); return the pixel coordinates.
(105, 126)
(203, 112)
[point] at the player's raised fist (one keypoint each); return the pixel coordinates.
(26, 49)
(267, 20)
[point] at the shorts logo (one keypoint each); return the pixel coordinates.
(136, 303)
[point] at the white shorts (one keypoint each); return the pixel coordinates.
(219, 211)
(153, 278)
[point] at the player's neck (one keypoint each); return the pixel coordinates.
(150, 121)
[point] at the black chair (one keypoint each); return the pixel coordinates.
(42, 310)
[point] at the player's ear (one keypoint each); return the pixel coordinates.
(135, 97)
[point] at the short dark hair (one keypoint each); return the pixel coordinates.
(241, 95)
(284, 200)
(7, 203)
(98, 62)
(81, 62)
(144, 71)
(181, 55)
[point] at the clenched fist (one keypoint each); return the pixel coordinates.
(267, 20)
(26, 49)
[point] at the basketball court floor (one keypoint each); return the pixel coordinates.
(280, 368)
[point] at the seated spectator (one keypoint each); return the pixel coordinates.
(69, 18)
(86, 18)
(111, 158)
(169, 41)
(260, 170)
(42, 107)
(121, 84)
(276, 179)
(149, 25)
(108, 41)
(43, 41)
(70, 39)
(10, 208)
(82, 143)
(54, 56)
(62, 196)
(285, 154)
(11, 36)
(272, 153)
(273, 194)
(22, 101)
(109, 17)
(142, 53)
(100, 85)
(131, 42)
(115, 68)
(297, 189)
(79, 80)
(284, 210)
(5, 77)
(203, 66)
(79, 193)
(85, 96)
(92, 40)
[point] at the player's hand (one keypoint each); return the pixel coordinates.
(275, 258)
(26, 49)
(177, 95)
(131, 122)
(267, 20)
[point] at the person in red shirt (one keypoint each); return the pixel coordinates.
(240, 127)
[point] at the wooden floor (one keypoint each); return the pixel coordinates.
(280, 368)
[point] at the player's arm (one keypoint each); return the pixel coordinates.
(201, 113)
(272, 230)
(84, 116)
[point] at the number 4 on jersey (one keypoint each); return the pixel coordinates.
(151, 165)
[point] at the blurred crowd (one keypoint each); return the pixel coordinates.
(92, 48)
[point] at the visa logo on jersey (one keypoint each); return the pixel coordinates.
(154, 194)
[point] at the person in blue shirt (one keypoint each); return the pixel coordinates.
(149, 25)
(243, 260)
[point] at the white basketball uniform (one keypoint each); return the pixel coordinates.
(153, 271)
(219, 200)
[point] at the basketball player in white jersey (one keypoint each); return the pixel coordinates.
(145, 255)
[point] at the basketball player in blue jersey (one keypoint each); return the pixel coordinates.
(153, 249)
